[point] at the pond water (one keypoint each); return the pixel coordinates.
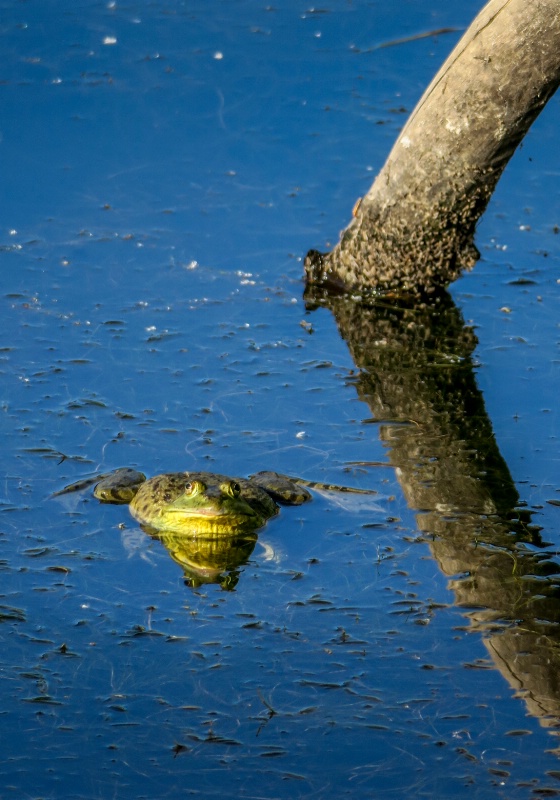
(165, 167)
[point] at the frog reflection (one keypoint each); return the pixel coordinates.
(208, 559)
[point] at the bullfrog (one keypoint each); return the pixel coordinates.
(202, 503)
(207, 503)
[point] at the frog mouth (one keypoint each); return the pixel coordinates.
(184, 511)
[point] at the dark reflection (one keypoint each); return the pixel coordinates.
(416, 374)
(208, 559)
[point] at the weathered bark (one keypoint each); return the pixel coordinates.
(414, 229)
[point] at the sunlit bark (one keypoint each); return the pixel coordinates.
(413, 231)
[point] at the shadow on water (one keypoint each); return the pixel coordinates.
(417, 375)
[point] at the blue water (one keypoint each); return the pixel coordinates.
(165, 167)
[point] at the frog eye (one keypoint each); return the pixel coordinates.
(193, 488)
(232, 488)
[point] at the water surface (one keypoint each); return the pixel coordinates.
(165, 168)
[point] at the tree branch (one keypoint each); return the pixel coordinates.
(413, 231)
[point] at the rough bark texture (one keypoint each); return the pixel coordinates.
(413, 231)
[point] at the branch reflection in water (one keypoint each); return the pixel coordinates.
(417, 376)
